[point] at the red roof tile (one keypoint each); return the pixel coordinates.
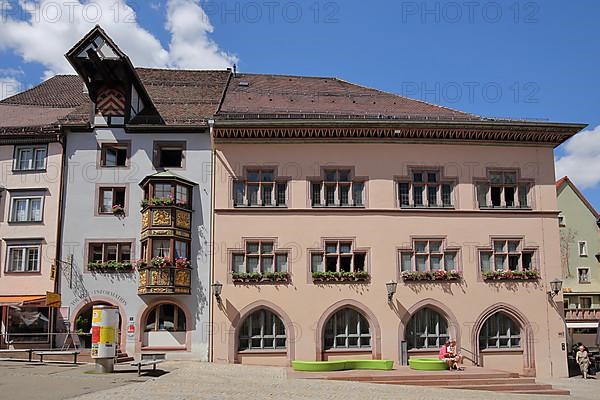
(273, 95)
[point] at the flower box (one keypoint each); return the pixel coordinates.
(511, 275)
(256, 277)
(162, 202)
(438, 275)
(118, 210)
(330, 277)
(110, 266)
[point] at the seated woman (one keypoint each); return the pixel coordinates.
(448, 353)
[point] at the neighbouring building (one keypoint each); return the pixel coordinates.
(327, 193)
(31, 158)
(580, 258)
(136, 230)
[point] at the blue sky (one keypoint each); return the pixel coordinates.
(518, 59)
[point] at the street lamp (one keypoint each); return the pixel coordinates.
(391, 290)
(217, 288)
(555, 287)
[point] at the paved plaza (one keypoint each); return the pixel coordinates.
(196, 380)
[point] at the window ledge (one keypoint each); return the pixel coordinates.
(22, 272)
(502, 350)
(492, 208)
(430, 350)
(338, 206)
(262, 352)
(26, 222)
(29, 171)
(245, 207)
(352, 350)
(425, 208)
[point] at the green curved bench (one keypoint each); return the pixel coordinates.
(326, 366)
(427, 364)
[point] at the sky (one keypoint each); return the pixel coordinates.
(518, 59)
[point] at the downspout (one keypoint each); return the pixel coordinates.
(62, 139)
(211, 124)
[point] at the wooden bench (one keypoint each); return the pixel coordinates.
(149, 359)
(29, 351)
(73, 353)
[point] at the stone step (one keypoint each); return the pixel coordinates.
(462, 381)
(554, 391)
(425, 377)
(506, 387)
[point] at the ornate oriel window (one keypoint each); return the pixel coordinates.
(166, 257)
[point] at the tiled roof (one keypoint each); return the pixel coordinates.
(565, 180)
(184, 97)
(281, 96)
(60, 91)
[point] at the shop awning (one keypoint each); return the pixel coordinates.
(21, 300)
(582, 324)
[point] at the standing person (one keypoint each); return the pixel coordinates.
(583, 360)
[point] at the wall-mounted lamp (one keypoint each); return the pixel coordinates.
(217, 288)
(391, 290)
(555, 287)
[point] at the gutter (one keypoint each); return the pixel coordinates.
(59, 228)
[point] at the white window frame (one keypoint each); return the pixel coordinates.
(355, 185)
(28, 199)
(518, 185)
(442, 252)
(266, 318)
(507, 253)
(34, 157)
(582, 248)
(323, 254)
(562, 219)
(25, 248)
(587, 274)
(274, 254)
(363, 340)
(580, 302)
(438, 182)
(276, 183)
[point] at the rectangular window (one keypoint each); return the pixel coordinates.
(502, 190)
(425, 189)
(506, 255)
(584, 275)
(261, 257)
(109, 251)
(163, 191)
(428, 255)
(337, 189)
(582, 245)
(169, 154)
(30, 158)
(585, 302)
(111, 197)
(23, 258)
(161, 248)
(339, 256)
(114, 155)
(182, 195)
(259, 188)
(26, 209)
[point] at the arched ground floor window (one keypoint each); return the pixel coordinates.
(500, 331)
(427, 329)
(347, 329)
(165, 325)
(262, 330)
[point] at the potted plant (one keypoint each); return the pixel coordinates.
(160, 262)
(182, 262)
(118, 209)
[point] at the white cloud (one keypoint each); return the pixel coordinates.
(581, 161)
(9, 86)
(43, 31)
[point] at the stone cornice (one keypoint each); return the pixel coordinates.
(529, 133)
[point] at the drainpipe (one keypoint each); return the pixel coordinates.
(62, 139)
(211, 303)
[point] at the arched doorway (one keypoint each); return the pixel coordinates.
(83, 324)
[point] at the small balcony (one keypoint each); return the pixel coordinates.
(164, 280)
(582, 314)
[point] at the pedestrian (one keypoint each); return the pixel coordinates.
(583, 360)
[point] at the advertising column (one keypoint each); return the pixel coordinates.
(105, 325)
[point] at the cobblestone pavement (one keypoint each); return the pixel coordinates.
(195, 380)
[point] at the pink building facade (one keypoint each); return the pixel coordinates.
(313, 219)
